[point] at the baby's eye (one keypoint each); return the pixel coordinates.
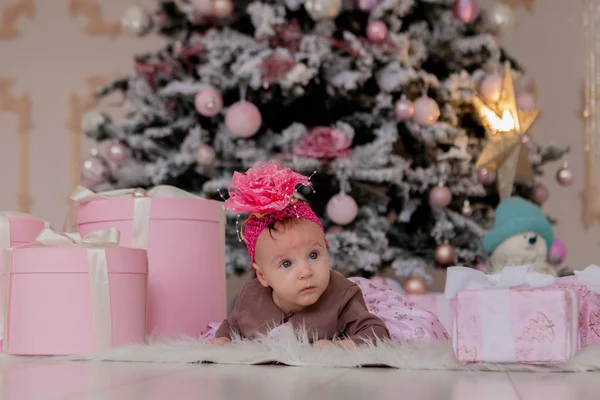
(286, 264)
(314, 255)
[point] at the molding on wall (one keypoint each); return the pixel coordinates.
(78, 107)
(21, 108)
(10, 14)
(95, 23)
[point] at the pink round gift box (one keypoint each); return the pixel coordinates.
(50, 303)
(186, 258)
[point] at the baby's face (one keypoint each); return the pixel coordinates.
(294, 262)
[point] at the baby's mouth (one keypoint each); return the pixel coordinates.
(308, 289)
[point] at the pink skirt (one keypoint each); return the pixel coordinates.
(406, 322)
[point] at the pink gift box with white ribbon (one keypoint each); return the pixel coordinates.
(515, 316)
(16, 228)
(64, 294)
(185, 239)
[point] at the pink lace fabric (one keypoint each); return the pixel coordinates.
(406, 322)
(255, 225)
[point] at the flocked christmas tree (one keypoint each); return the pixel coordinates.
(379, 97)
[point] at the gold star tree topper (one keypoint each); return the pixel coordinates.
(506, 151)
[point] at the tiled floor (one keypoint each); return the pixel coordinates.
(130, 381)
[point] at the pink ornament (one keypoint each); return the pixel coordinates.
(222, 8)
(334, 230)
(539, 194)
(366, 5)
(341, 209)
(486, 176)
(558, 251)
(491, 88)
(525, 101)
(404, 110)
(440, 196)
(324, 142)
(205, 155)
(208, 102)
(565, 175)
(427, 111)
(243, 119)
(203, 7)
(377, 31)
(466, 10)
(95, 169)
(118, 152)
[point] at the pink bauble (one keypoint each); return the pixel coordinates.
(118, 152)
(377, 31)
(491, 88)
(565, 175)
(427, 111)
(243, 119)
(334, 230)
(558, 251)
(208, 102)
(404, 110)
(440, 196)
(539, 193)
(466, 10)
(341, 209)
(525, 101)
(486, 176)
(203, 7)
(95, 169)
(366, 5)
(222, 8)
(205, 155)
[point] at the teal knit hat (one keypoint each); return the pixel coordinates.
(516, 215)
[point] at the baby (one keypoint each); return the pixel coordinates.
(287, 247)
(294, 284)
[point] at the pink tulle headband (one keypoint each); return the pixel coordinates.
(266, 191)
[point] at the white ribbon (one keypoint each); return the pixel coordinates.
(96, 244)
(141, 209)
(463, 278)
(590, 278)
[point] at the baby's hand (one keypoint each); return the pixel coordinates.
(219, 341)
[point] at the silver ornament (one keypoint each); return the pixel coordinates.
(320, 10)
(136, 21)
(500, 17)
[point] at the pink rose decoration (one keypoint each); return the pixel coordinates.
(324, 142)
(264, 188)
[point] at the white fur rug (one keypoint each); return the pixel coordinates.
(287, 349)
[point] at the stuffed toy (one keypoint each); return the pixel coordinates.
(522, 235)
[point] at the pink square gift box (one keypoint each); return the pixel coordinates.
(185, 239)
(530, 326)
(67, 296)
(435, 303)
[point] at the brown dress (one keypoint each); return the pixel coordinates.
(339, 313)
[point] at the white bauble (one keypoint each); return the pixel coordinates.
(320, 10)
(527, 248)
(136, 20)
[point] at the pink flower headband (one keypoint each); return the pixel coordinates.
(266, 191)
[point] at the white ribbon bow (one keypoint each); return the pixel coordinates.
(96, 244)
(5, 225)
(463, 278)
(141, 210)
(590, 278)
